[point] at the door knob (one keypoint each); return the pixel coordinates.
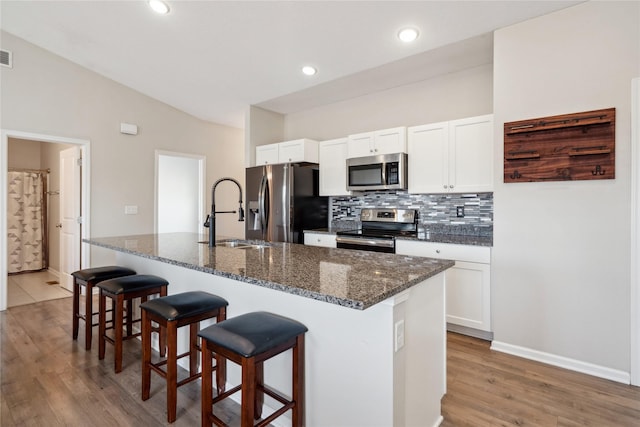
(58, 225)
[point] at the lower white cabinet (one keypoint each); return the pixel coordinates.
(468, 283)
(320, 239)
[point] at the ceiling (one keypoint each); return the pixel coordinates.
(213, 59)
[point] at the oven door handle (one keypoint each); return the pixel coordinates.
(366, 241)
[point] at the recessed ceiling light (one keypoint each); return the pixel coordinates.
(408, 35)
(309, 70)
(159, 6)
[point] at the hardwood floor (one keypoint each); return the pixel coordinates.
(49, 380)
(488, 388)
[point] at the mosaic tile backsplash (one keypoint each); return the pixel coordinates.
(437, 212)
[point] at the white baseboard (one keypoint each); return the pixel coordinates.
(472, 332)
(54, 272)
(563, 362)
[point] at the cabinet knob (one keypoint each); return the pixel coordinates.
(444, 186)
(451, 186)
(437, 251)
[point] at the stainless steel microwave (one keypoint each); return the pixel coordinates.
(382, 172)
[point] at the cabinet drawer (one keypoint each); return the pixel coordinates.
(480, 254)
(317, 239)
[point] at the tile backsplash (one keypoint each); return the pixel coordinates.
(437, 212)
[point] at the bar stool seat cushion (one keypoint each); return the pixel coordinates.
(186, 304)
(126, 284)
(253, 333)
(102, 273)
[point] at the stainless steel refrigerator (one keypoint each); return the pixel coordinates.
(282, 200)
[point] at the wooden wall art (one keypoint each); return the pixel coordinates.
(568, 147)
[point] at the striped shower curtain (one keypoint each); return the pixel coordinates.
(26, 221)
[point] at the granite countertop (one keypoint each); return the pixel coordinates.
(435, 237)
(354, 279)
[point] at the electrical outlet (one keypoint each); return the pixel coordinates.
(460, 211)
(399, 335)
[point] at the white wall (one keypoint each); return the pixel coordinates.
(46, 94)
(561, 258)
(451, 96)
(261, 127)
(24, 154)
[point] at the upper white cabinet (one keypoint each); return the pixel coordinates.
(267, 154)
(386, 141)
(332, 156)
(299, 150)
(454, 156)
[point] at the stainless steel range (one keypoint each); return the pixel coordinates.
(379, 230)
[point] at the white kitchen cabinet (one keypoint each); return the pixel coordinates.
(386, 141)
(299, 150)
(451, 157)
(320, 239)
(332, 156)
(296, 151)
(468, 283)
(267, 154)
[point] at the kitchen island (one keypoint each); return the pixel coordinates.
(375, 350)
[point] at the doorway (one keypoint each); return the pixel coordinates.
(38, 138)
(180, 202)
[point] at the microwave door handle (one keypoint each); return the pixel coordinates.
(384, 173)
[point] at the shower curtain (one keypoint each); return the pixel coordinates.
(27, 221)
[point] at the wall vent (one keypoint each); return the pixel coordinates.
(6, 58)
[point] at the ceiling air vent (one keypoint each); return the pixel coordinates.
(5, 58)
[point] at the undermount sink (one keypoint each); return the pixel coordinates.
(239, 244)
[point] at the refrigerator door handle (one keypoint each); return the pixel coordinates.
(262, 211)
(285, 204)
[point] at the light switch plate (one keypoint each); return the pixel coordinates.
(131, 210)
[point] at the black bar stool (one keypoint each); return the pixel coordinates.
(171, 313)
(120, 290)
(249, 340)
(90, 277)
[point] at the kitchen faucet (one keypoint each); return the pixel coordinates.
(211, 218)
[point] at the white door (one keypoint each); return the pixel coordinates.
(70, 215)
